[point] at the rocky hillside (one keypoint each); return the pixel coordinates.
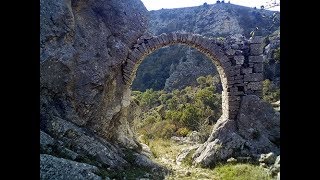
(217, 20)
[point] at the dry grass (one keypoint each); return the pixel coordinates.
(165, 152)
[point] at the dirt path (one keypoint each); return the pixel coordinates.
(166, 155)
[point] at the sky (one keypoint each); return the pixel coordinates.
(168, 4)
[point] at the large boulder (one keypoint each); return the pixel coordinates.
(58, 168)
(86, 144)
(269, 158)
(185, 152)
(255, 131)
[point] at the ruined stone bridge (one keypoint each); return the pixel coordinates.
(238, 61)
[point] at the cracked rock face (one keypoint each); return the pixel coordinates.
(256, 131)
(82, 46)
(59, 168)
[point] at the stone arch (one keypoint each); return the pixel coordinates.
(238, 62)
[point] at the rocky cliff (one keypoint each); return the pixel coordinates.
(217, 20)
(83, 100)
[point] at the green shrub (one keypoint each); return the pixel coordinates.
(162, 129)
(191, 115)
(168, 130)
(150, 120)
(241, 172)
(183, 131)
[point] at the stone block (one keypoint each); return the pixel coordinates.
(246, 71)
(225, 65)
(145, 48)
(127, 70)
(256, 40)
(234, 72)
(196, 39)
(258, 67)
(233, 98)
(256, 59)
(234, 103)
(239, 59)
(157, 42)
(238, 77)
(184, 37)
(257, 93)
(239, 81)
(132, 57)
(238, 52)
(230, 52)
(170, 37)
(201, 41)
(174, 36)
(160, 40)
(139, 51)
(142, 50)
(253, 77)
(167, 39)
(256, 49)
(235, 46)
(189, 37)
(129, 61)
(150, 46)
(179, 37)
(136, 53)
(255, 85)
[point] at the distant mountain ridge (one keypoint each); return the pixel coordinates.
(214, 20)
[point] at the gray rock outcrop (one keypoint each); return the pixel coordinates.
(256, 131)
(186, 152)
(275, 168)
(269, 158)
(86, 144)
(82, 46)
(58, 168)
